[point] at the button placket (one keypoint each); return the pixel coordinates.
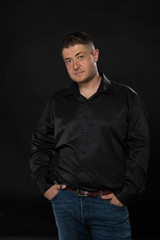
(84, 129)
(85, 120)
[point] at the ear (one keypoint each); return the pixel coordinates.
(96, 55)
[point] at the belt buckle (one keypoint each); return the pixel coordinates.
(84, 194)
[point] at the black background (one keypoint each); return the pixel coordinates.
(127, 35)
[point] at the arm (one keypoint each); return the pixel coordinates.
(134, 178)
(42, 150)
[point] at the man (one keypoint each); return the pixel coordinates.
(95, 134)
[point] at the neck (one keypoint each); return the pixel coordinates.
(90, 87)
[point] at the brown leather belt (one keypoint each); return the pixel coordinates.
(84, 193)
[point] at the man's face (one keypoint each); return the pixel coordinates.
(80, 62)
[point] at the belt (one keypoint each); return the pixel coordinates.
(84, 193)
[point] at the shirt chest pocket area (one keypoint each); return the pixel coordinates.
(66, 124)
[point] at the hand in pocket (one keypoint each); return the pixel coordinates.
(112, 199)
(53, 191)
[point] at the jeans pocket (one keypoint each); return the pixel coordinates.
(52, 199)
(116, 206)
(56, 194)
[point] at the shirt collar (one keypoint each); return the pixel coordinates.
(105, 86)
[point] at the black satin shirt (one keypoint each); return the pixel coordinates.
(93, 144)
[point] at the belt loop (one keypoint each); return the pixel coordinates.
(100, 193)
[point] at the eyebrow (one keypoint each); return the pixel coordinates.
(78, 53)
(75, 55)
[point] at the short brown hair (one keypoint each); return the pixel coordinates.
(76, 38)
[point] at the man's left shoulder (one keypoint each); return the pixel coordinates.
(123, 88)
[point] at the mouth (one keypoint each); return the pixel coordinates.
(78, 73)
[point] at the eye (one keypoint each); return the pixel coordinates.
(68, 61)
(80, 57)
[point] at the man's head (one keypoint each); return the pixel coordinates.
(77, 38)
(80, 56)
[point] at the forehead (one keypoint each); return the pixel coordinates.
(74, 50)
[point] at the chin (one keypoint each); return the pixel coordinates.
(78, 79)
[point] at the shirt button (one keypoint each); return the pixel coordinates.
(84, 134)
(83, 151)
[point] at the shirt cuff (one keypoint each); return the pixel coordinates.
(44, 184)
(124, 196)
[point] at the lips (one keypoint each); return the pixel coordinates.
(78, 73)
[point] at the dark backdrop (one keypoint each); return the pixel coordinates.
(127, 35)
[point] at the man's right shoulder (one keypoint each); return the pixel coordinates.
(59, 94)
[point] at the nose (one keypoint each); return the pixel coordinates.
(76, 64)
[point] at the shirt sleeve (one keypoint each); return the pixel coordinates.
(42, 150)
(137, 141)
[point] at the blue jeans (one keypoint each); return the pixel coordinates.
(89, 218)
